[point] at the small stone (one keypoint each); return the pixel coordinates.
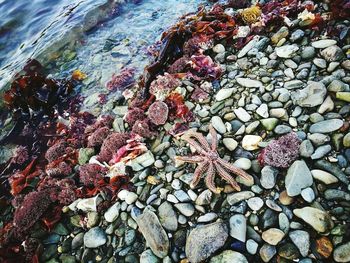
(332, 53)
(148, 257)
(95, 237)
(249, 83)
(238, 197)
(345, 96)
(252, 246)
(167, 216)
(306, 148)
(230, 143)
(346, 140)
(263, 111)
(229, 256)
(323, 176)
(204, 240)
(286, 51)
(218, 124)
(326, 126)
(153, 232)
(112, 213)
(316, 218)
(342, 253)
(272, 236)
(224, 94)
(268, 177)
(255, 203)
(242, 114)
(319, 62)
(324, 43)
(243, 163)
(267, 252)
(324, 247)
(250, 142)
(238, 227)
(186, 209)
(208, 217)
(269, 123)
(311, 96)
(219, 48)
(281, 33)
(298, 177)
(321, 152)
(204, 197)
(285, 199)
(308, 194)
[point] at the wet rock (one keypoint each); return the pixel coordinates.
(148, 257)
(333, 169)
(298, 177)
(112, 213)
(142, 161)
(229, 256)
(252, 246)
(326, 126)
(186, 209)
(306, 148)
(230, 143)
(167, 216)
(204, 240)
(324, 247)
(316, 218)
(286, 51)
(153, 232)
(95, 237)
(311, 96)
(242, 114)
(301, 239)
(218, 124)
(324, 43)
(325, 177)
(267, 252)
(238, 227)
(255, 203)
(342, 253)
(288, 251)
(268, 177)
(273, 236)
(224, 94)
(321, 152)
(332, 53)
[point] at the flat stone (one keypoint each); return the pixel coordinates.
(332, 53)
(167, 216)
(142, 161)
(298, 177)
(321, 152)
(332, 168)
(318, 219)
(229, 256)
(324, 177)
(268, 177)
(238, 227)
(242, 114)
(252, 246)
(293, 84)
(230, 143)
(205, 240)
(255, 203)
(326, 126)
(186, 209)
(148, 257)
(273, 236)
(263, 110)
(238, 197)
(224, 94)
(251, 142)
(311, 96)
(287, 51)
(249, 83)
(153, 232)
(218, 124)
(301, 239)
(248, 46)
(308, 194)
(95, 237)
(342, 253)
(112, 213)
(306, 149)
(344, 96)
(324, 43)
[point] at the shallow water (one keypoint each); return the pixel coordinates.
(96, 36)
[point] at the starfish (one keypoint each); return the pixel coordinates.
(209, 161)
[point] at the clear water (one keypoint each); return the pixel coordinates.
(97, 36)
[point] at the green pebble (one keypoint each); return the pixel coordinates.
(85, 154)
(269, 123)
(345, 96)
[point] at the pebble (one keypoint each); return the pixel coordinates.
(235, 198)
(224, 94)
(324, 43)
(249, 83)
(342, 253)
(219, 48)
(148, 257)
(154, 233)
(316, 218)
(326, 126)
(186, 209)
(251, 142)
(298, 177)
(229, 256)
(252, 246)
(205, 240)
(238, 227)
(321, 152)
(243, 163)
(267, 252)
(204, 198)
(218, 124)
(112, 213)
(306, 149)
(286, 51)
(272, 236)
(242, 114)
(308, 194)
(95, 237)
(263, 111)
(255, 203)
(332, 53)
(301, 239)
(230, 143)
(208, 217)
(167, 216)
(311, 96)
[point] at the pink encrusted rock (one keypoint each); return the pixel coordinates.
(133, 115)
(111, 145)
(163, 85)
(98, 136)
(158, 113)
(282, 152)
(143, 129)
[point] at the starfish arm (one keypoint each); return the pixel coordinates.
(200, 138)
(209, 180)
(225, 175)
(201, 168)
(189, 159)
(234, 169)
(214, 138)
(196, 145)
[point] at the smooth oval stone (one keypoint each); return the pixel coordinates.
(326, 126)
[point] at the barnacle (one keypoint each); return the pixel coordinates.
(251, 14)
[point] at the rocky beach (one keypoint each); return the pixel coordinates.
(233, 146)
